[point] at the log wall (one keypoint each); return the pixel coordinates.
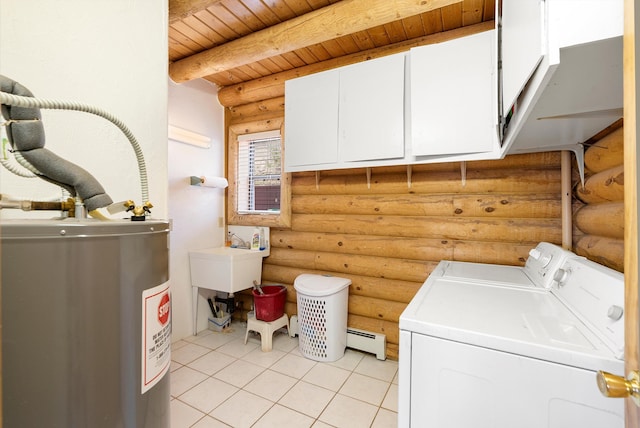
(387, 234)
(599, 205)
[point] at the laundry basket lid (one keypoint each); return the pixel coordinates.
(319, 285)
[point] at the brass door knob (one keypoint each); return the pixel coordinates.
(614, 386)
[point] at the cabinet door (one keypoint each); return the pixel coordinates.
(453, 96)
(311, 120)
(522, 45)
(371, 124)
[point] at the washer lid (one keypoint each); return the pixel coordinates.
(521, 321)
(319, 285)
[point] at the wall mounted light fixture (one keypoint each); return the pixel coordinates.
(189, 137)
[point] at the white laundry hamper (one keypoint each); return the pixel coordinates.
(322, 316)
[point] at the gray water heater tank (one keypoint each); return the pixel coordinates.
(86, 323)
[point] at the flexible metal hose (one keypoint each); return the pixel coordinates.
(31, 102)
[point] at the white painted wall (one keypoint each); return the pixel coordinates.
(108, 53)
(195, 211)
(112, 54)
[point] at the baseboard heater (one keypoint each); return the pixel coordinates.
(373, 343)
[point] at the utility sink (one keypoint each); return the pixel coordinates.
(226, 269)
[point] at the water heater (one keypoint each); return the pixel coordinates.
(86, 323)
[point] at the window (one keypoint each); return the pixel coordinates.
(259, 192)
(259, 169)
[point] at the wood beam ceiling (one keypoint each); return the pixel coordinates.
(336, 20)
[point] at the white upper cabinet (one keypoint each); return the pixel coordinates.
(523, 45)
(311, 120)
(372, 110)
(453, 98)
(347, 117)
(576, 89)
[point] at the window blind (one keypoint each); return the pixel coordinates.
(259, 169)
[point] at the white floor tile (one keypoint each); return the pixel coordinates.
(214, 340)
(270, 385)
(320, 424)
(238, 385)
(327, 376)
(209, 422)
(239, 373)
(212, 362)
(174, 366)
(263, 359)
(208, 394)
(284, 342)
(293, 365)
(237, 348)
(390, 401)
(385, 419)
(184, 379)
(379, 369)
(307, 398)
(278, 417)
(241, 410)
(347, 412)
(349, 361)
(365, 388)
(182, 415)
(188, 353)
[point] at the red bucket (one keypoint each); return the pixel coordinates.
(270, 305)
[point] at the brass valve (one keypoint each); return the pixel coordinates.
(139, 211)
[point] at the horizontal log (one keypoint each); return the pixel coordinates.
(376, 308)
(477, 181)
(605, 186)
(606, 153)
(434, 249)
(273, 86)
(361, 285)
(498, 229)
(267, 109)
(378, 267)
(456, 205)
(606, 251)
(606, 220)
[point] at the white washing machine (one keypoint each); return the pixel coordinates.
(479, 351)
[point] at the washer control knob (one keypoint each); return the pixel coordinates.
(615, 312)
(560, 276)
(535, 254)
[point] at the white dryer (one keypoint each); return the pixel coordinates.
(482, 352)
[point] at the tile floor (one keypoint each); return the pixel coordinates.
(218, 381)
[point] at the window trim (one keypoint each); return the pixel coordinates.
(283, 219)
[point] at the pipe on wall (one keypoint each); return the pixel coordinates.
(567, 212)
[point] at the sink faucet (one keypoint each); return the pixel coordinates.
(241, 244)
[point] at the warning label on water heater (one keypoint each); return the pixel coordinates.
(156, 335)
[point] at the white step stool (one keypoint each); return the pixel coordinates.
(266, 329)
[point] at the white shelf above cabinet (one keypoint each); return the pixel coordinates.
(576, 90)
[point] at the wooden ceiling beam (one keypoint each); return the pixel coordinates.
(336, 20)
